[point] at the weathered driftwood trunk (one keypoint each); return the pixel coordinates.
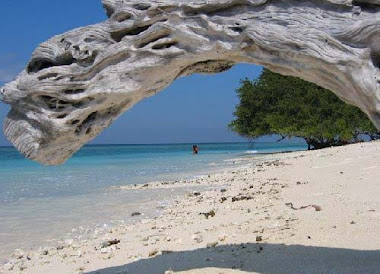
(77, 83)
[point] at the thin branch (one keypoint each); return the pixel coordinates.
(282, 138)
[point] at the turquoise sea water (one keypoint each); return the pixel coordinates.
(39, 202)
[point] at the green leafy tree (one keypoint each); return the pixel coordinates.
(292, 107)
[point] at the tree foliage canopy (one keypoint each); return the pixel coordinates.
(292, 107)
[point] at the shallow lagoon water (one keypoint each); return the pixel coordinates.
(40, 202)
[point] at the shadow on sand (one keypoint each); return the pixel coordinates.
(261, 258)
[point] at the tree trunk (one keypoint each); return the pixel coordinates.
(307, 140)
(314, 143)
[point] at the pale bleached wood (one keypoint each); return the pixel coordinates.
(77, 83)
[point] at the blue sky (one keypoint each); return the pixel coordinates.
(193, 109)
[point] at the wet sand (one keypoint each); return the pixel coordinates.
(313, 212)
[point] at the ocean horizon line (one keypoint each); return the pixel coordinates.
(181, 143)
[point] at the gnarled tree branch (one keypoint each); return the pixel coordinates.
(77, 83)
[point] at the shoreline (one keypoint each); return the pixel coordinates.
(86, 230)
(30, 238)
(306, 202)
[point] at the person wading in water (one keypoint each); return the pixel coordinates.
(195, 149)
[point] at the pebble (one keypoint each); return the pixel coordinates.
(135, 214)
(208, 214)
(214, 244)
(45, 252)
(197, 238)
(259, 238)
(153, 253)
(18, 254)
(241, 198)
(222, 238)
(80, 269)
(80, 253)
(109, 243)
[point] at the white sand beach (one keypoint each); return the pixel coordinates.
(300, 212)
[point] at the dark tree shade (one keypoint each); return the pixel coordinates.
(291, 107)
